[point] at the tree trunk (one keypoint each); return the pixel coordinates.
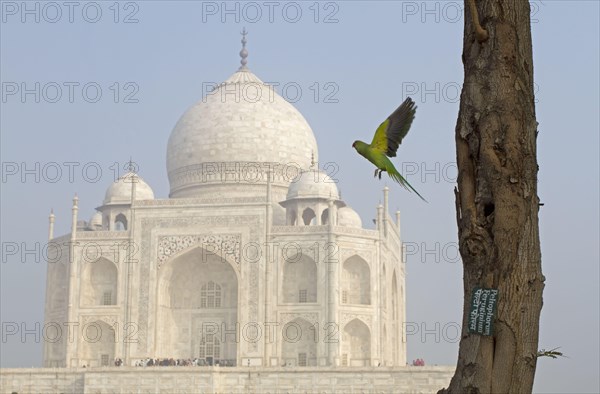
(496, 201)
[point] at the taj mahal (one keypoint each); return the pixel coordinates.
(254, 262)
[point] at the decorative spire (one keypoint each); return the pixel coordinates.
(244, 51)
(51, 225)
(131, 165)
(74, 211)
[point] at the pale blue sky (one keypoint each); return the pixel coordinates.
(374, 55)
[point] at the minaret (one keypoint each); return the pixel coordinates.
(71, 351)
(398, 222)
(74, 211)
(380, 219)
(244, 51)
(51, 225)
(386, 191)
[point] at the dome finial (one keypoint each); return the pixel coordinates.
(244, 51)
(131, 165)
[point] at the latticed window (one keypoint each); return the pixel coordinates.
(302, 359)
(210, 295)
(210, 346)
(345, 359)
(302, 295)
(104, 360)
(107, 298)
(344, 296)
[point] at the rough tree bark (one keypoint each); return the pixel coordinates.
(496, 201)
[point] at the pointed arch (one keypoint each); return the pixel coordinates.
(299, 284)
(308, 217)
(299, 343)
(356, 344)
(356, 281)
(120, 222)
(99, 283)
(197, 299)
(325, 216)
(97, 344)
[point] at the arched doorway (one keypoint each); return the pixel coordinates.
(120, 222)
(299, 280)
(299, 347)
(198, 309)
(99, 283)
(308, 217)
(356, 281)
(356, 344)
(97, 344)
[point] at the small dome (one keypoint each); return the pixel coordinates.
(119, 192)
(96, 221)
(313, 184)
(348, 217)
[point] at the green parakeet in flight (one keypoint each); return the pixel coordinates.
(385, 143)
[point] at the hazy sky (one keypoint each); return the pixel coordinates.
(353, 62)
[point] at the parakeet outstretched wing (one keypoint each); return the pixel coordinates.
(390, 133)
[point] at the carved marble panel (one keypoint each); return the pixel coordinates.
(226, 245)
(311, 317)
(348, 317)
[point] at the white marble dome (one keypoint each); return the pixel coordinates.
(313, 184)
(242, 121)
(119, 192)
(348, 217)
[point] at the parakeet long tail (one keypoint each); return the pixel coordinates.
(395, 175)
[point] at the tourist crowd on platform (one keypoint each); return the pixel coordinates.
(171, 362)
(418, 362)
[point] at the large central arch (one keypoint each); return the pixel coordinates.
(198, 308)
(356, 344)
